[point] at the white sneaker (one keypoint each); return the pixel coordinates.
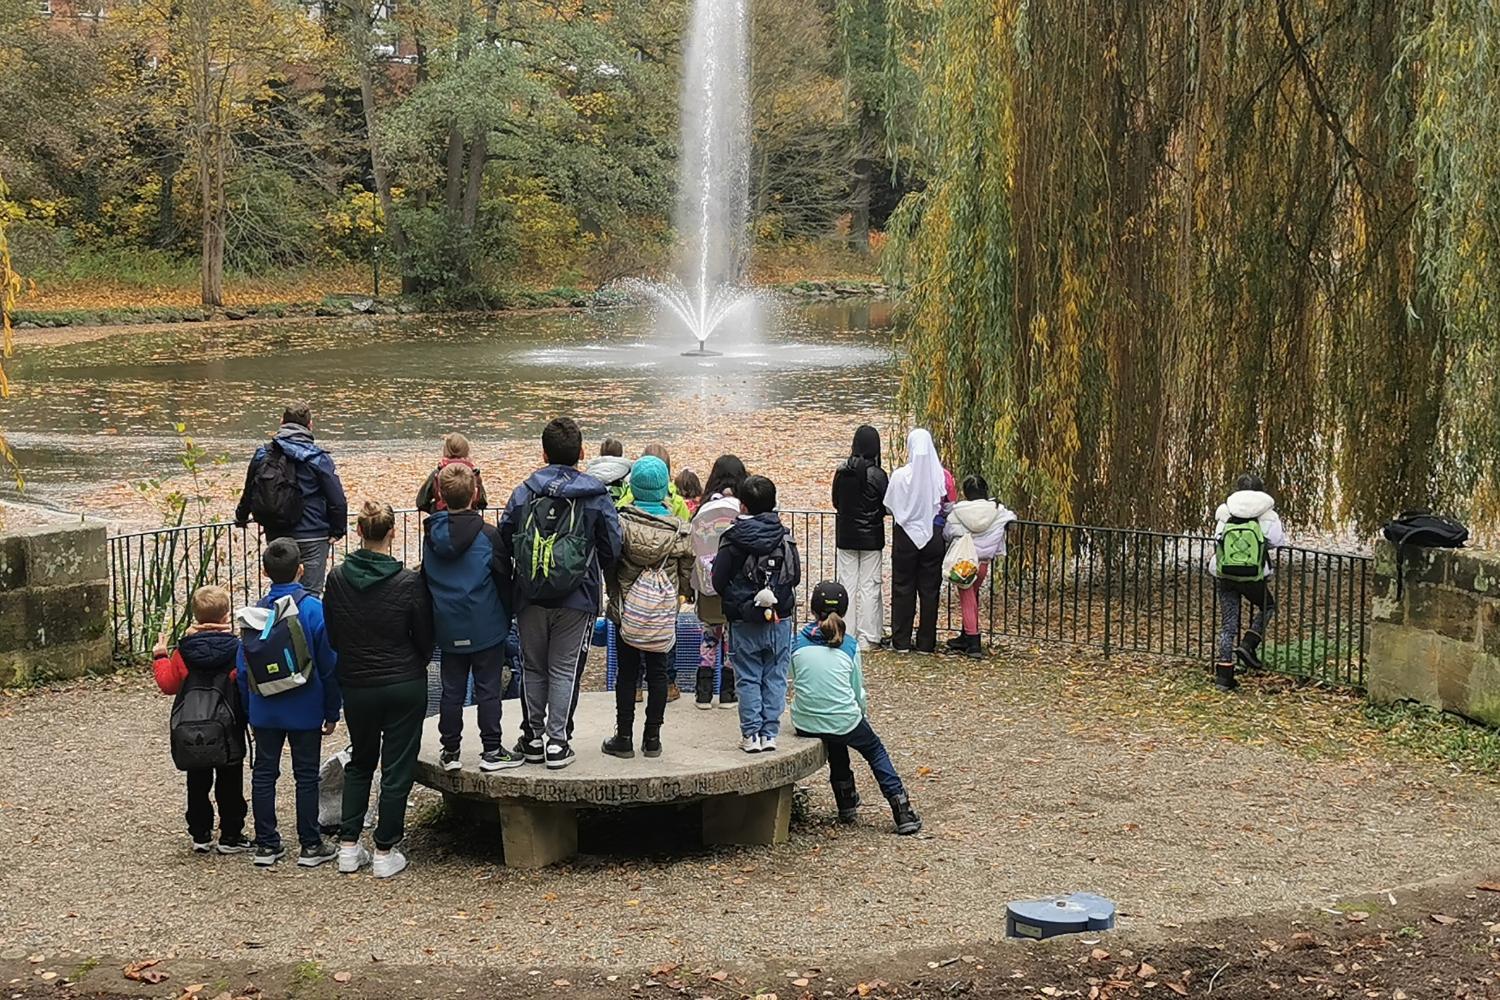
(202, 846)
(767, 744)
(353, 857)
(393, 862)
(750, 744)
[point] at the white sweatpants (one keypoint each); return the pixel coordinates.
(861, 574)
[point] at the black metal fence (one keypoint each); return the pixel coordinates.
(1110, 589)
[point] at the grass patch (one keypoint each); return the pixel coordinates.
(1438, 735)
(83, 968)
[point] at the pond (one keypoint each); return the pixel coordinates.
(88, 419)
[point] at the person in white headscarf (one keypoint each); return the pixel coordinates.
(918, 496)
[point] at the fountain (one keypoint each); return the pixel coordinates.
(713, 197)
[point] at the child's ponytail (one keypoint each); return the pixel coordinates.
(831, 629)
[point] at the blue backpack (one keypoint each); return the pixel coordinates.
(277, 656)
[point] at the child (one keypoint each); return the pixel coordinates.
(1247, 529)
(466, 575)
(652, 538)
(757, 572)
(675, 504)
(611, 468)
(286, 627)
(717, 511)
(918, 496)
(205, 658)
(983, 520)
(558, 535)
(859, 486)
(455, 452)
(690, 489)
(831, 706)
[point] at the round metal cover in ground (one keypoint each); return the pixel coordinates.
(701, 759)
(1054, 915)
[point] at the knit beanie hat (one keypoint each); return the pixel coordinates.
(648, 480)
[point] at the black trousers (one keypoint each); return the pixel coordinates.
(486, 667)
(228, 787)
(631, 662)
(916, 578)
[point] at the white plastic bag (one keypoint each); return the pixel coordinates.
(331, 792)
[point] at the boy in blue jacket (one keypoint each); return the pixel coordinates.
(467, 577)
(298, 716)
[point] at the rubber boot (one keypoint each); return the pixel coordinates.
(619, 745)
(727, 697)
(651, 741)
(846, 796)
(1224, 677)
(907, 820)
(958, 644)
(703, 690)
(1248, 652)
(973, 648)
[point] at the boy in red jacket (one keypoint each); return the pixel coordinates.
(208, 648)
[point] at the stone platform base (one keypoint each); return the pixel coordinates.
(746, 799)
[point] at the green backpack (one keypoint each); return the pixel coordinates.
(554, 548)
(1241, 551)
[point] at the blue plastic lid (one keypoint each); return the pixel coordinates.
(1052, 915)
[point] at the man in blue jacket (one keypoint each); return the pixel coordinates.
(467, 577)
(302, 499)
(298, 718)
(558, 534)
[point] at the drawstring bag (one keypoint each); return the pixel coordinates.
(961, 562)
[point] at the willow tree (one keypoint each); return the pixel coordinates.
(1237, 235)
(10, 287)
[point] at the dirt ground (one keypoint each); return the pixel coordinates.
(1036, 772)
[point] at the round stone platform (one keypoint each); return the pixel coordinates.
(746, 798)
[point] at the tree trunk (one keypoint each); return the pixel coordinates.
(360, 22)
(479, 145)
(166, 202)
(211, 167)
(453, 188)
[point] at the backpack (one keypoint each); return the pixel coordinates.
(554, 547)
(1240, 551)
(648, 614)
(1426, 529)
(438, 503)
(961, 562)
(771, 571)
(276, 652)
(707, 529)
(205, 725)
(275, 496)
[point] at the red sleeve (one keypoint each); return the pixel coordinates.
(170, 672)
(952, 488)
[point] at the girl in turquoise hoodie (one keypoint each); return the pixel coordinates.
(830, 705)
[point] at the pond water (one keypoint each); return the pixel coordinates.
(103, 412)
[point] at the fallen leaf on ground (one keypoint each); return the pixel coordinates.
(1488, 887)
(1146, 971)
(561, 982)
(1357, 917)
(342, 977)
(195, 988)
(1178, 988)
(144, 971)
(1099, 955)
(1444, 919)
(719, 976)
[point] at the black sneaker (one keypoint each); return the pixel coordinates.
(559, 756)
(727, 697)
(500, 759)
(312, 857)
(448, 760)
(958, 644)
(530, 750)
(236, 843)
(265, 856)
(703, 690)
(619, 746)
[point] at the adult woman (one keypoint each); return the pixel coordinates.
(717, 512)
(380, 623)
(918, 496)
(859, 487)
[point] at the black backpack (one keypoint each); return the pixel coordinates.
(275, 496)
(1427, 530)
(206, 727)
(779, 570)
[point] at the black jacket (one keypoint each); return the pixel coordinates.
(379, 621)
(859, 498)
(749, 538)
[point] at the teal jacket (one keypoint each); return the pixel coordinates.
(830, 692)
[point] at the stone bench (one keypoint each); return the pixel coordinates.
(746, 798)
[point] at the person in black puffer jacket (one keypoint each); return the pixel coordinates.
(379, 619)
(859, 498)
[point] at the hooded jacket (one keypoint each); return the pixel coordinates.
(429, 501)
(467, 575)
(985, 520)
(649, 541)
(748, 537)
(318, 701)
(325, 511)
(379, 618)
(614, 472)
(210, 652)
(603, 521)
(830, 684)
(859, 487)
(1249, 505)
(711, 606)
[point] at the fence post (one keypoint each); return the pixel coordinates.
(1109, 570)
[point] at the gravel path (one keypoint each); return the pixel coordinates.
(1034, 774)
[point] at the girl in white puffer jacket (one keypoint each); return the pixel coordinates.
(985, 521)
(1248, 502)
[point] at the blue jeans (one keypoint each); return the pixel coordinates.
(307, 747)
(762, 654)
(866, 742)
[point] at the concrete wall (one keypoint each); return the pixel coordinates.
(54, 603)
(1436, 638)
